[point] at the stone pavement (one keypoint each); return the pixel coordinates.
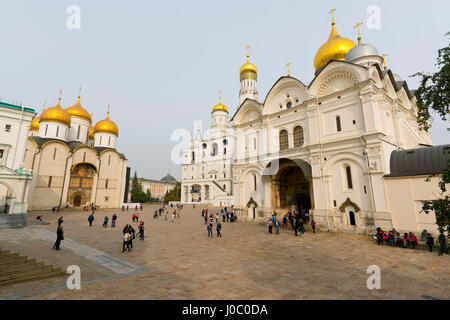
(178, 261)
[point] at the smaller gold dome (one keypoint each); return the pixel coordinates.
(106, 126)
(56, 114)
(78, 111)
(248, 69)
(91, 132)
(35, 124)
(336, 48)
(220, 107)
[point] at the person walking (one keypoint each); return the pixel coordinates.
(277, 226)
(126, 241)
(59, 237)
(217, 217)
(141, 230)
(209, 228)
(313, 225)
(269, 224)
(218, 228)
(295, 226)
(91, 219)
(285, 219)
(205, 218)
(60, 221)
(132, 233)
(203, 212)
(105, 222)
(405, 240)
(391, 239)
(430, 242)
(113, 221)
(301, 227)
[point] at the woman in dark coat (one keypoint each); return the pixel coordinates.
(59, 237)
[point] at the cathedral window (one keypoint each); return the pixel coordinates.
(54, 154)
(214, 149)
(46, 129)
(109, 141)
(49, 181)
(106, 184)
(284, 142)
(298, 137)
(254, 182)
(338, 124)
(224, 187)
(289, 105)
(109, 160)
(57, 131)
(193, 157)
(78, 132)
(224, 150)
(349, 177)
(101, 139)
(225, 142)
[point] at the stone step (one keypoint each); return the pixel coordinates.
(8, 282)
(16, 269)
(20, 267)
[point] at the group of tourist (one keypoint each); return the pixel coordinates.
(297, 220)
(210, 219)
(394, 238)
(164, 210)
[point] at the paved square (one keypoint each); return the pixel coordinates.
(178, 261)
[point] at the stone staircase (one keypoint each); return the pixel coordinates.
(17, 269)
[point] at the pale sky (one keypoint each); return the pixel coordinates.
(160, 64)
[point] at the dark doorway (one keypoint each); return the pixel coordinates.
(77, 201)
(352, 218)
(254, 212)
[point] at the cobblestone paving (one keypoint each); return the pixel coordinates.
(178, 261)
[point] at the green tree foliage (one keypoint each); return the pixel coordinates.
(174, 194)
(137, 195)
(148, 196)
(433, 95)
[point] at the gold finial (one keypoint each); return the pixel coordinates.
(60, 94)
(287, 66)
(384, 55)
(248, 54)
(220, 96)
(107, 115)
(359, 34)
(332, 16)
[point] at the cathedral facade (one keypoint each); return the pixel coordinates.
(73, 162)
(333, 147)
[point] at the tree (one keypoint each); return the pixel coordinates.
(148, 196)
(433, 95)
(137, 195)
(174, 194)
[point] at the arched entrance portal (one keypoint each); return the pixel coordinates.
(291, 185)
(81, 183)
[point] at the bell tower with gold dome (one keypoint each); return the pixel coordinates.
(248, 75)
(219, 115)
(336, 47)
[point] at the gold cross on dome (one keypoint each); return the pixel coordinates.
(220, 96)
(287, 66)
(384, 55)
(248, 54)
(359, 34)
(108, 110)
(60, 94)
(332, 14)
(79, 92)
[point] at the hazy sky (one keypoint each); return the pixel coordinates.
(160, 64)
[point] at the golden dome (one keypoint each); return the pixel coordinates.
(220, 106)
(35, 124)
(78, 111)
(56, 114)
(336, 48)
(91, 132)
(248, 70)
(106, 126)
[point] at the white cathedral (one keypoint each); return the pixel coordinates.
(346, 147)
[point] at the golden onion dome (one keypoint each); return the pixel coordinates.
(248, 69)
(220, 106)
(91, 132)
(35, 124)
(106, 126)
(336, 48)
(78, 111)
(56, 114)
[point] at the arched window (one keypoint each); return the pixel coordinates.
(284, 142)
(349, 177)
(298, 137)
(338, 124)
(214, 148)
(254, 182)
(193, 157)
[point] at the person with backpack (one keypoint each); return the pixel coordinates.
(91, 219)
(141, 230)
(105, 222)
(113, 221)
(209, 228)
(126, 240)
(218, 228)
